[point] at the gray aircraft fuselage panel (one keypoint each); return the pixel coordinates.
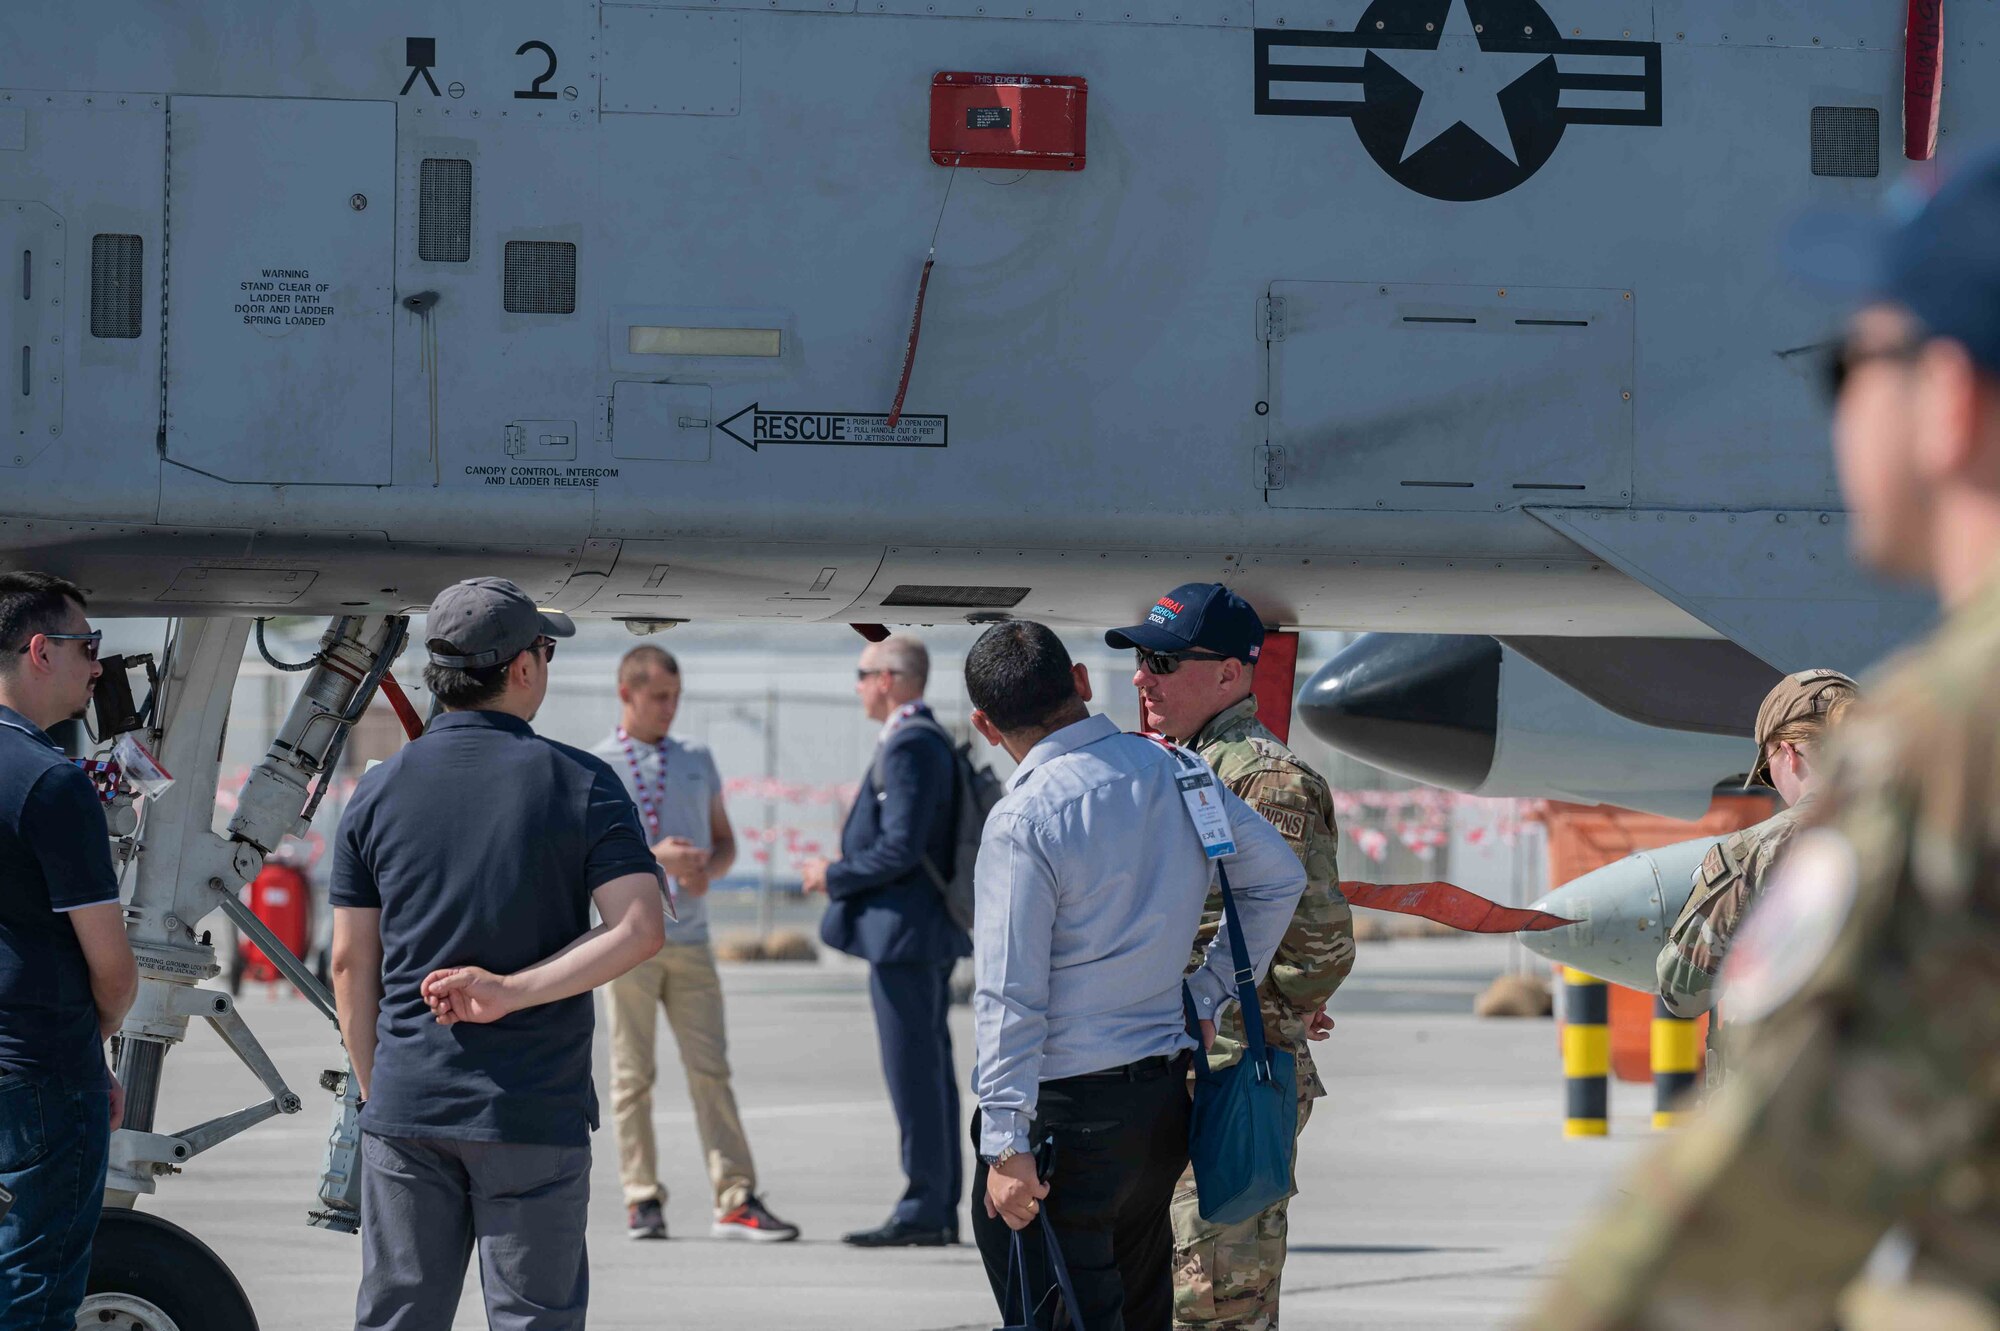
(322, 307)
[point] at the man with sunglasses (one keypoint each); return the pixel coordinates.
(66, 971)
(884, 906)
(464, 874)
(1848, 1172)
(1197, 657)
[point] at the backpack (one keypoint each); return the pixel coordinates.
(975, 790)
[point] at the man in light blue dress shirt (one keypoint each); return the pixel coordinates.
(1090, 887)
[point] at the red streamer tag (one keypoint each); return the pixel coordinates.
(1923, 78)
(1450, 905)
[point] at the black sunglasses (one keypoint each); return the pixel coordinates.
(1843, 359)
(1165, 663)
(91, 641)
(547, 647)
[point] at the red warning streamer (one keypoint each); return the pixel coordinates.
(1923, 78)
(910, 352)
(1450, 905)
(399, 702)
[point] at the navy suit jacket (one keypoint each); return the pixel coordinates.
(882, 905)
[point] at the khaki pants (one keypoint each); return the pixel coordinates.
(681, 978)
(1226, 1277)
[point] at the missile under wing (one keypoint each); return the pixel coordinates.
(1621, 914)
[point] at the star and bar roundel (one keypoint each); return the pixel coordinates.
(1458, 99)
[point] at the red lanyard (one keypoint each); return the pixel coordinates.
(649, 807)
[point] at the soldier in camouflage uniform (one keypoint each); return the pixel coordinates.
(1864, 1094)
(1791, 726)
(1196, 654)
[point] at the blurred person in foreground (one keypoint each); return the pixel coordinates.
(1849, 1171)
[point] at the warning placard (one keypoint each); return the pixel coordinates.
(754, 426)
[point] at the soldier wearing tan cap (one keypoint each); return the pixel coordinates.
(1791, 724)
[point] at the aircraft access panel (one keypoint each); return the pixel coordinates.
(1404, 396)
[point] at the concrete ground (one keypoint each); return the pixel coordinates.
(1436, 1187)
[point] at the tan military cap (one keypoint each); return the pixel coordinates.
(1799, 697)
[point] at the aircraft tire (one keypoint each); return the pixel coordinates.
(165, 1271)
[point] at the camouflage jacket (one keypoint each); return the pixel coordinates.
(1864, 1089)
(1317, 951)
(1730, 878)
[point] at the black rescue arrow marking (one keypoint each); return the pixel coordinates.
(854, 429)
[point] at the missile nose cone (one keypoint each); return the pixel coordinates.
(1622, 913)
(1424, 705)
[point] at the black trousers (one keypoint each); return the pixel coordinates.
(912, 1006)
(1115, 1146)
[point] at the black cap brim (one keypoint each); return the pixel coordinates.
(556, 624)
(1145, 637)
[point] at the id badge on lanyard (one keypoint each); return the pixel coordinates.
(1203, 798)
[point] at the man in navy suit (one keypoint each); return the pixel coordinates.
(885, 906)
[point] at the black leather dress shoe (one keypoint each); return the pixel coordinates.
(898, 1234)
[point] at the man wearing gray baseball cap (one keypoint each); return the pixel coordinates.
(464, 873)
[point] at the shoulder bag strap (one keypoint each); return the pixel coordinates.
(930, 723)
(1246, 980)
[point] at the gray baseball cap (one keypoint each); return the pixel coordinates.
(484, 621)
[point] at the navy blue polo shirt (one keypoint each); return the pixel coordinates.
(481, 843)
(55, 857)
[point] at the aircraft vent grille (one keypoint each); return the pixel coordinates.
(956, 598)
(1846, 141)
(444, 210)
(117, 284)
(540, 277)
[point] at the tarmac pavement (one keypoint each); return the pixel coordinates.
(1435, 1185)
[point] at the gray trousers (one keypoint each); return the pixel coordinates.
(427, 1202)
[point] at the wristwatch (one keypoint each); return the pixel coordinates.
(995, 1161)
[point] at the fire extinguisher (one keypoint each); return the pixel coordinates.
(280, 896)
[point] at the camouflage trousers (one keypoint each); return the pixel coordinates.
(1226, 1276)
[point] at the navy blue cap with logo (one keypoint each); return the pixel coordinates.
(1197, 617)
(1937, 256)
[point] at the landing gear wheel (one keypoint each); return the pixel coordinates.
(148, 1274)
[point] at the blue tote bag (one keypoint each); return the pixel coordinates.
(1246, 1117)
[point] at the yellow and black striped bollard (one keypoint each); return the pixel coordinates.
(1586, 1045)
(1676, 1058)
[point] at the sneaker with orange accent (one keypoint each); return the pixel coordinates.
(753, 1223)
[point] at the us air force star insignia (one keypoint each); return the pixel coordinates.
(1461, 85)
(1458, 99)
(1791, 930)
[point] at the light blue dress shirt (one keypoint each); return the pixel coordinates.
(1090, 887)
